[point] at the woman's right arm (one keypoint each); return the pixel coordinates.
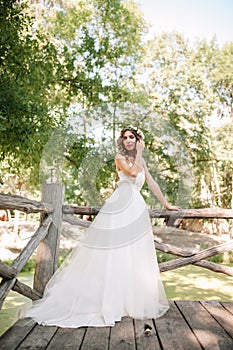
(122, 164)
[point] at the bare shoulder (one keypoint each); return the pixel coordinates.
(119, 157)
(119, 161)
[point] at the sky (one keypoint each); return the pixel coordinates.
(194, 18)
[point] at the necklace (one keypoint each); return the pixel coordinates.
(130, 161)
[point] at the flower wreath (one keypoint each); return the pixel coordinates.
(135, 129)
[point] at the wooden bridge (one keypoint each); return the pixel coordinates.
(187, 325)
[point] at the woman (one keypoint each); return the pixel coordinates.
(130, 161)
(113, 272)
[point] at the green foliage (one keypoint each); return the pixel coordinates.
(79, 55)
(222, 76)
(62, 258)
(218, 259)
(30, 265)
(180, 81)
(223, 149)
(226, 257)
(100, 50)
(28, 64)
(163, 257)
(84, 53)
(217, 176)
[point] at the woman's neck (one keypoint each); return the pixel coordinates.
(131, 154)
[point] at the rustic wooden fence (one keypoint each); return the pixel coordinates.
(47, 239)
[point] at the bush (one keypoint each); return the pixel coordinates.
(30, 265)
(163, 257)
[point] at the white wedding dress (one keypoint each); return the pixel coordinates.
(113, 272)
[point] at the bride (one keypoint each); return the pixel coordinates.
(113, 271)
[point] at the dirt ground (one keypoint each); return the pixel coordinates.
(188, 239)
(11, 244)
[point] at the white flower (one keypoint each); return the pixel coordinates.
(138, 131)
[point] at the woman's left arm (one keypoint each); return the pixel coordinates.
(155, 189)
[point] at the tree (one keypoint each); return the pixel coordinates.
(100, 44)
(102, 51)
(222, 78)
(180, 99)
(58, 55)
(219, 67)
(28, 66)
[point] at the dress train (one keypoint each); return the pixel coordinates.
(112, 272)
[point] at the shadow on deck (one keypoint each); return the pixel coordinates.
(188, 325)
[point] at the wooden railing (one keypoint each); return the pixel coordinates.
(47, 238)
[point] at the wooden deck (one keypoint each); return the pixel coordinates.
(188, 325)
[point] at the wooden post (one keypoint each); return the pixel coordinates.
(48, 249)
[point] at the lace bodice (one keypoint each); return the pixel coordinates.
(138, 181)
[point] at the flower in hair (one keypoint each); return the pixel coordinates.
(138, 131)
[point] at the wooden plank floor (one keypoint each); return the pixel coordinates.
(188, 325)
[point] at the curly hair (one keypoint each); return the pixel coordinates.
(120, 145)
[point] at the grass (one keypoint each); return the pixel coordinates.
(195, 283)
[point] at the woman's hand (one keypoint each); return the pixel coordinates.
(140, 146)
(172, 207)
